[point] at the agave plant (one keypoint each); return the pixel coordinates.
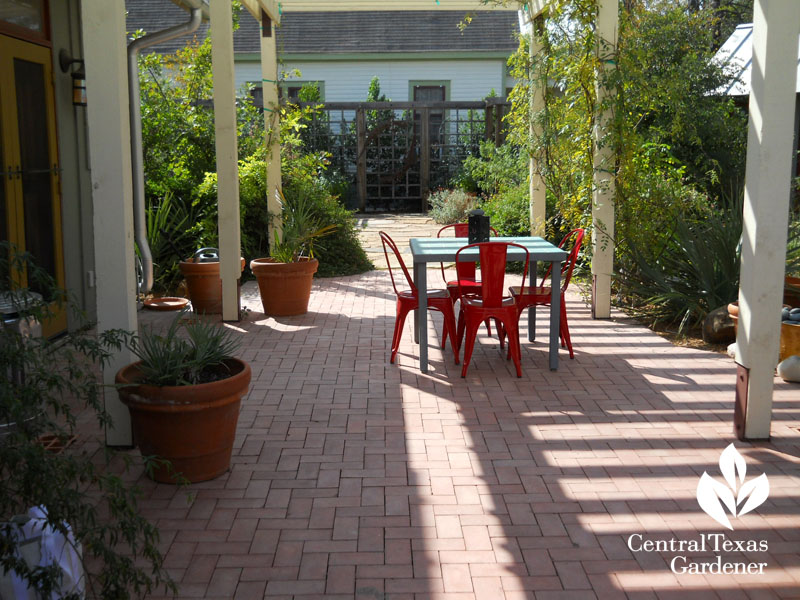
(696, 271)
(171, 360)
(301, 229)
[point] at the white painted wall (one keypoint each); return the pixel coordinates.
(349, 81)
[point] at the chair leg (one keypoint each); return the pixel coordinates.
(565, 329)
(488, 327)
(514, 346)
(460, 328)
(398, 330)
(472, 333)
(450, 329)
(499, 326)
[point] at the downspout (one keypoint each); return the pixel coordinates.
(137, 156)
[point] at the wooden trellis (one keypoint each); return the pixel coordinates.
(394, 153)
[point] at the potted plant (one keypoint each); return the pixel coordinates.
(203, 282)
(284, 279)
(184, 396)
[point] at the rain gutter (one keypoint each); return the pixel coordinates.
(137, 154)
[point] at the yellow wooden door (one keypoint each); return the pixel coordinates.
(30, 195)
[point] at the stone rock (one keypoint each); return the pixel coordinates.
(718, 327)
(732, 349)
(789, 369)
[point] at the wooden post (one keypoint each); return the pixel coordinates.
(269, 83)
(604, 168)
(228, 219)
(488, 115)
(112, 189)
(537, 189)
(424, 156)
(498, 125)
(361, 158)
(766, 210)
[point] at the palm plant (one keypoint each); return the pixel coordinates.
(301, 229)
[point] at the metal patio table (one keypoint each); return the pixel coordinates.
(434, 250)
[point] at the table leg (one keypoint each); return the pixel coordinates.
(532, 308)
(421, 281)
(555, 313)
(417, 266)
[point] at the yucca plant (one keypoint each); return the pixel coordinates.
(173, 360)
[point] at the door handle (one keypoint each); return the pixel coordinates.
(55, 170)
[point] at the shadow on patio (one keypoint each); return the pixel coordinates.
(354, 478)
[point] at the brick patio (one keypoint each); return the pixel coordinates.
(355, 478)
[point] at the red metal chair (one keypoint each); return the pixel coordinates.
(490, 303)
(466, 272)
(540, 295)
(408, 300)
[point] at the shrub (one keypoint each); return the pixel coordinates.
(172, 237)
(86, 501)
(508, 211)
(450, 206)
(339, 253)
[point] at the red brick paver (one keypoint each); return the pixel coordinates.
(354, 478)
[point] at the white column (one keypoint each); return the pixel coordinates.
(104, 53)
(538, 189)
(604, 163)
(776, 25)
(269, 74)
(229, 222)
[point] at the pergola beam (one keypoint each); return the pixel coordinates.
(768, 175)
(269, 89)
(270, 7)
(228, 216)
(109, 139)
(604, 167)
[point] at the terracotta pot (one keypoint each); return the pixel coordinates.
(791, 295)
(790, 340)
(733, 313)
(284, 287)
(191, 426)
(203, 285)
(790, 334)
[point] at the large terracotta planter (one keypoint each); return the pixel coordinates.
(790, 334)
(191, 426)
(791, 291)
(790, 340)
(203, 285)
(284, 287)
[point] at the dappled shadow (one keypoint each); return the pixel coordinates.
(357, 478)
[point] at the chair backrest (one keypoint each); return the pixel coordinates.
(389, 245)
(573, 240)
(466, 270)
(493, 256)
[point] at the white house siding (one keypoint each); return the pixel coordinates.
(348, 81)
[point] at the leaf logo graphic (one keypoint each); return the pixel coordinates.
(714, 497)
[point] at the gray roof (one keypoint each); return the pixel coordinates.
(347, 32)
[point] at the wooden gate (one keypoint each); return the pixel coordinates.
(393, 153)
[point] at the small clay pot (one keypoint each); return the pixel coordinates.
(203, 285)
